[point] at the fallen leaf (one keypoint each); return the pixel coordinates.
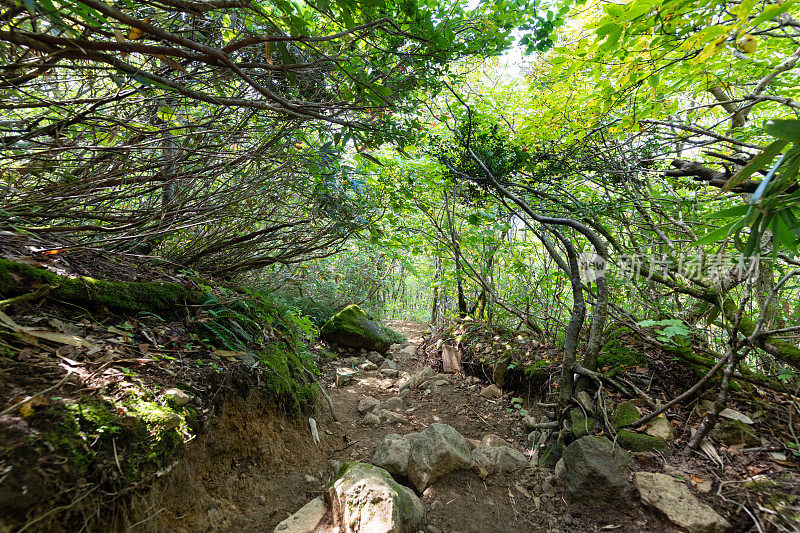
(62, 338)
(735, 415)
(227, 354)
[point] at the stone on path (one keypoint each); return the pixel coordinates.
(368, 366)
(365, 498)
(393, 404)
(392, 454)
(388, 363)
(409, 351)
(435, 452)
(596, 471)
(417, 380)
(367, 404)
(375, 357)
(389, 372)
(371, 419)
(491, 391)
(305, 520)
(451, 359)
(674, 500)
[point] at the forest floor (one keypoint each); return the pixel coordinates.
(462, 501)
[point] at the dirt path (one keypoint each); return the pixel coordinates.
(462, 501)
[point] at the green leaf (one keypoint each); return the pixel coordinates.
(758, 162)
(788, 130)
(736, 211)
(719, 233)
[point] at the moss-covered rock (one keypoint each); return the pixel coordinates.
(353, 327)
(733, 432)
(625, 415)
(580, 424)
(639, 442)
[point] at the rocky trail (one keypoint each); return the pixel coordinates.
(465, 454)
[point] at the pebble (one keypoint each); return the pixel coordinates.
(568, 519)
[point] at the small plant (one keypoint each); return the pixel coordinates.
(675, 332)
(516, 404)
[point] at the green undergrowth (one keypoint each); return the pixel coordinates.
(260, 331)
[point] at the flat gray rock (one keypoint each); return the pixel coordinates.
(674, 500)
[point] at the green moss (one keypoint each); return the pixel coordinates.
(540, 368)
(353, 327)
(289, 373)
(625, 415)
(551, 454)
(123, 297)
(580, 424)
(639, 442)
(615, 354)
(88, 431)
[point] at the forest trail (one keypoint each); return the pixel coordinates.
(529, 500)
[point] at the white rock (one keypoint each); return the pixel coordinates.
(366, 499)
(673, 499)
(176, 397)
(305, 520)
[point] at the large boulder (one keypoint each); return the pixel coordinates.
(392, 454)
(354, 328)
(596, 471)
(674, 500)
(365, 497)
(436, 452)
